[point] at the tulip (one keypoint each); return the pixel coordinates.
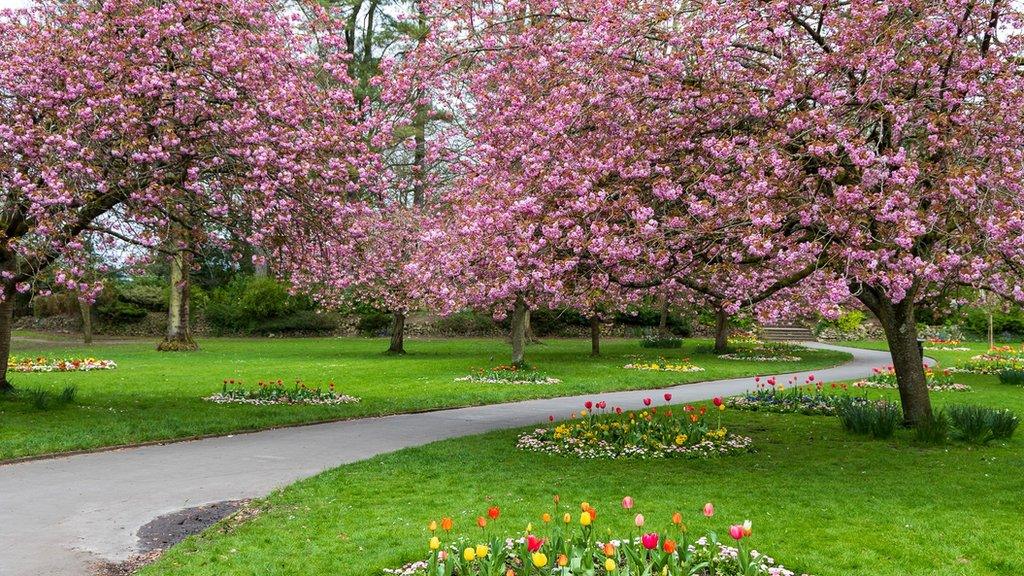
(602, 404)
(677, 518)
(510, 572)
(557, 499)
(434, 543)
(469, 554)
(811, 377)
(567, 518)
(540, 559)
(432, 526)
(609, 549)
(563, 560)
(482, 550)
(446, 524)
(588, 404)
(668, 396)
(551, 418)
(481, 522)
(639, 520)
(627, 503)
(584, 506)
(649, 541)
(533, 543)
(647, 401)
(717, 400)
(736, 531)
(748, 528)
(709, 510)
(721, 408)
(609, 565)
(545, 517)
(493, 512)
(585, 519)
(669, 546)
(618, 410)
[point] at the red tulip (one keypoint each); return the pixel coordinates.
(717, 401)
(650, 541)
(618, 410)
(668, 396)
(811, 378)
(551, 418)
(533, 543)
(588, 404)
(493, 512)
(647, 401)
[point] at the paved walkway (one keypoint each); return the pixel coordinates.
(59, 516)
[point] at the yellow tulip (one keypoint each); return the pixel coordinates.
(567, 518)
(435, 543)
(432, 526)
(609, 565)
(585, 506)
(481, 550)
(469, 554)
(585, 519)
(529, 527)
(540, 559)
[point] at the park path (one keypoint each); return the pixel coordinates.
(60, 516)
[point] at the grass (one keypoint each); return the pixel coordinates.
(822, 500)
(158, 395)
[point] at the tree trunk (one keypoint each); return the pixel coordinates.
(86, 310)
(397, 334)
(6, 317)
(663, 319)
(520, 324)
(595, 336)
(721, 331)
(179, 330)
(900, 328)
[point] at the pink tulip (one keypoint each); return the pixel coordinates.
(709, 510)
(639, 520)
(736, 531)
(650, 541)
(811, 377)
(627, 503)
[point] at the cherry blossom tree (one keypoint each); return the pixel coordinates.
(877, 142)
(124, 119)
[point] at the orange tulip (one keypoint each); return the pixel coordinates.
(669, 546)
(677, 518)
(562, 560)
(609, 549)
(545, 517)
(481, 522)
(446, 524)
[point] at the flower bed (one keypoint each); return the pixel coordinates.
(509, 375)
(664, 366)
(938, 381)
(812, 398)
(649, 433)
(994, 361)
(43, 364)
(945, 345)
(765, 352)
(276, 393)
(568, 543)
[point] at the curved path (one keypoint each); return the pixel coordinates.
(60, 516)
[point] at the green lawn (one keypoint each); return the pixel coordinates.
(821, 500)
(158, 395)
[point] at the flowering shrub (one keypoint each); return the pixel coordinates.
(43, 364)
(994, 361)
(649, 433)
(664, 366)
(276, 393)
(811, 398)
(938, 381)
(568, 544)
(509, 374)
